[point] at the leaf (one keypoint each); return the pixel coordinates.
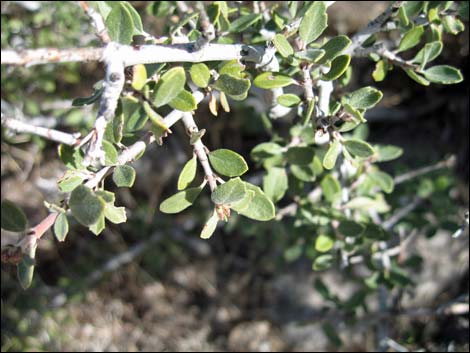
(138, 28)
(304, 172)
(282, 45)
(265, 150)
(367, 203)
(232, 85)
(200, 75)
(25, 269)
(260, 208)
(329, 160)
(417, 78)
(228, 163)
(383, 180)
(411, 38)
(124, 176)
(338, 66)
(230, 192)
(351, 229)
(359, 148)
(169, 86)
(375, 232)
(314, 22)
(71, 157)
(120, 24)
(180, 201)
(428, 53)
(334, 47)
(78, 102)
(187, 174)
(233, 68)
(61, 227)
(288, 100)
(13, 218)
(323, 262)
(139, 77)
(331, 188)
(210, 226)
(85, 206)
(70, 182)
(310, 55)
(300, 155)
(184, 102)
(453, 25)
(357, 115)
(363, 98)
(275, 184)
(270, 80)
(443, 74)
(324, 243)
(380, 71)
(224, 102)
(244, 22)
(388, 152)
(111, 155)
(134, 115)
(115, 214)
(97, 227)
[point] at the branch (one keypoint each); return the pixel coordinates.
(96, 21)
(200, 150)
(50, 134)
(133, 55)
(447, 163)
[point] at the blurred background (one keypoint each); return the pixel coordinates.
(152, 285)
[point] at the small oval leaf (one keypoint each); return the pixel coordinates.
(314, 22)
(359, 148)
(85, 206)
(61, 227)
(228, 163)
(270, 80)
(124, 176)
(13, 218)
(200, 75)
(180, 201)
(228, 193)
(169, 86)
(187, 174)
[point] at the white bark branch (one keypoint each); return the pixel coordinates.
(50, 134)
(96, 21)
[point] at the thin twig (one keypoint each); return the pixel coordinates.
(96, 21)
(447, 163)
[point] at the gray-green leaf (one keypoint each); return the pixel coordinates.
(334, 47)
(13, 218)
(228, 163)
(411, 38)
(232, 85)
(184, 102)
(210, 226)
(124, 176)
(260, 208)
(288, 100)
(200, 75)
(187, 174)
(85, 206)
(61, 227)
(329, 160)
(120, 24)
(169, 86)
(275, 183)
(338, 66)
(314, 22)
(270, 80)
(443, 74)
(363, 98)
(282, 45)
(359, 148)
(180, 201)
(230, 192)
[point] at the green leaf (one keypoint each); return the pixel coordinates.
(118, 127)
(13, 218)
(61, 227)
(71, 157)
(275, 184)
(70, 182)
(169, 86)
(310, 55)
(334, 47)
(124, 176)
(300, 155)
(180, 201)
(270, 80)
(357, 115)
(244, 22)
(200, 75)
(120, 24)
(324, 243)
(260, 208)
(184, 102)
(25, 268)
(380, 72)
(230, 192)
(363, 98)
(97, 92)
(351, 229)
(111, 155)
(85, 206)
(453, 25)
(210, 226)
(138, 28)
(314, 22)
(304, 172)
(323, 262)
(383, 180)
(106, 196)
(282, 45)
(134, 114)
(429, 52)
(367, 203)
(411, 38)
(233, 68)
(413, 8)
(115, 214)
(139, 77)
(359, 148)
(388, 152)
(265, 150)
(443, 74)
(331, 188)
(338, 66)
(288, 100)
(375, 232)
(417, 78)
(244, 203)
(232, 85)
(187, 174)
(228, 163)
(329, 160)
(97, 227)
